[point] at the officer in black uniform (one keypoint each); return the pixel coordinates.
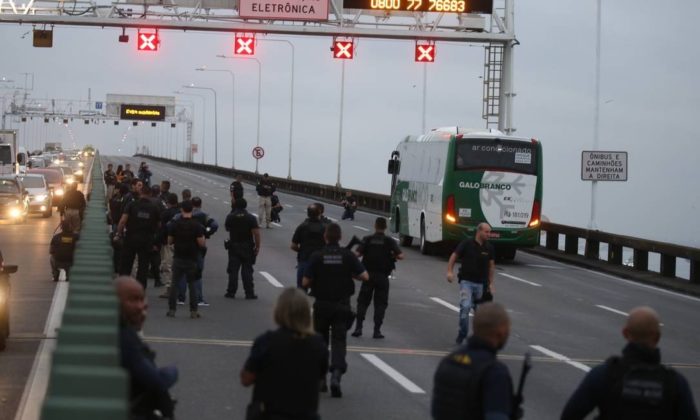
(329, 274)
(141, 221)
(62, 249)
(307, 239)
(635, 385)
(236, 188)
(243, 247)
(470, 383)
(73, 206)
(378, 252)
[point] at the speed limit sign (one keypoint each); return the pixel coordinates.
(258, 152)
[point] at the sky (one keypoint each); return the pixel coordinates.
(649, 102)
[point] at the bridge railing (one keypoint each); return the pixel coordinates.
(86, 380)
(669, 253)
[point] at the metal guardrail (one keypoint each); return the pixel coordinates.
(86, 380)
(381, 203)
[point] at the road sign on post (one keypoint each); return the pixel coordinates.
(258, 152)
(603, 166)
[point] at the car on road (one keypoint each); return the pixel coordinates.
(39, 194)
(14, 199)
(54, 177)
(68, 177)
(77, 167)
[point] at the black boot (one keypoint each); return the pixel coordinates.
(335, 384)
(377, 330)
(358, 328)
(324, 385)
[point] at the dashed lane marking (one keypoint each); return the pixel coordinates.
(607, 308)
(531, 283)
(275, 224)
(273, 281)
(445, 304)
(393, 373)
(361, 228)
(289, 205)
(562, 358)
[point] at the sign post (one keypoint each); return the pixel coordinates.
(603, 166)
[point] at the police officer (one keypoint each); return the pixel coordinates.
(243, 247)
(307, 239)
(470, 383)
(276, 208)
(475, 274)
(62, 249)
(329, 274)
(378, 252)
(140, 220)
(635, 385)
(265, 188)
(236, 188)
(73, 206)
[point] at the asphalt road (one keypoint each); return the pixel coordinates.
(568, 318)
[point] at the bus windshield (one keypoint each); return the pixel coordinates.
(5, 154)
(505, 155)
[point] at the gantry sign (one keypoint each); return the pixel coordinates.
(489, 22)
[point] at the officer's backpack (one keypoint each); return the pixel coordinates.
(458, 393)
(639, 391)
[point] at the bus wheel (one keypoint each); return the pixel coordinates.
(506, 253)
(426, 248)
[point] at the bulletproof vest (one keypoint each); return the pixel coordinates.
(66, 247)
(376, 251)
(458, 394)
(240, 230)
(639, 391)
(333, 280)
(311, 239)
(142, 218)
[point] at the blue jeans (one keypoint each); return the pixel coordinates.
(184, 273)
(301, 268)
(198, 283)
(469, 293)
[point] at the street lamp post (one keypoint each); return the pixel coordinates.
(340, 129)
(216, 121)
(291, 104)
(233, 110)
(596, 121)
(204, 116)
(257, 141)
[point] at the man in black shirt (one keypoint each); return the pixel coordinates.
(243, 247)
(378, 254)
(276, 208)
(140, 219)
(635, 385)
(187, 237)
(329, 274)
(166, 216)
(265, 189)
(61, 249)
(307, 239)
(475, 274)
(73, 206)
(349, 203)
(110, 179)
(470, 383)
(236, 188)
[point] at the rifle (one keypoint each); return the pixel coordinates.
(517, 412)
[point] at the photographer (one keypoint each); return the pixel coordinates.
(349, 203)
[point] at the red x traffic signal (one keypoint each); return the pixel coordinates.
(244, 45)
(147, 40)
(425, 53)
(343, 50)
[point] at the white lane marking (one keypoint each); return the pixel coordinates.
(38, 382)
(216, 198)
(254, 214)
(289, 205)
(361, 228)
(554, 267)
(607, 308)
(275, 224)
(448, 305)
(521, 280)
(561, 357)
(395, 238)
(273, 281)
(644, 286)
(332, 219)
(393, 373)
(206, 194)
(226, 202)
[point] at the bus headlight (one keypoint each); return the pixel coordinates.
(15, 213)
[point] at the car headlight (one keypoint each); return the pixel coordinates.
(15, 212)
(81, 164)
(39, 198)
(56, 162)
(58, 192)
(70, 180)
(79, 172)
